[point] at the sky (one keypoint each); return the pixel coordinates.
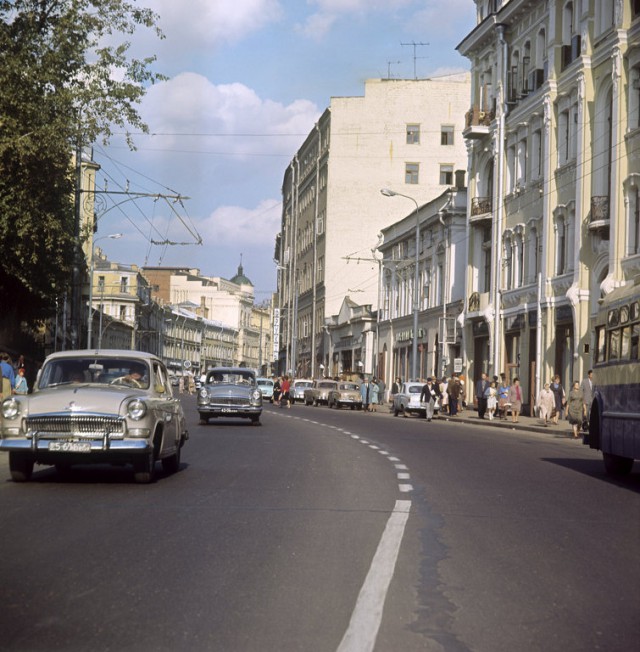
(246, 82)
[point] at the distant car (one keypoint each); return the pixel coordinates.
(407, 400)
(265, 385)
(297, 389)
(230, 392)
(91, 407)
(345, 394)
(318, 393)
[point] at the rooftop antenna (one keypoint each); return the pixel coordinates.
(415, 45)
(389, 64)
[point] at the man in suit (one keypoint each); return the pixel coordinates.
(587, 393)
(481, 388)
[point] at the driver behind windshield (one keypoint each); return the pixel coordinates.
(135, 377)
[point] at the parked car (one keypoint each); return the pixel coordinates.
(318, 393)
(297, 389)
(345, 394)
(265, 385)
(407, 400)
(87, 407)
(230, 392)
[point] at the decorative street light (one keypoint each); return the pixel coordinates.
(113, 236)
(416, 295)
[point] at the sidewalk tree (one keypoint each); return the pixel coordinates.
(68, 79)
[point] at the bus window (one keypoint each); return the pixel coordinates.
(614, 345)
(635, 311)
(635, 338)
(625, 349)
(600, 333)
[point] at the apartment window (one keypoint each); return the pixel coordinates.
(635, 8)
(563, 138)
(486, 260)
(633, 116)
(536, 155)
(446, 175)
(412, 173)
(101, 283)
(446, 135)
(123, 313)
(561, 247)
(634, 230)
(522, 161)
(508, 265)
(413, 134)
(511, 168)
(124, 285)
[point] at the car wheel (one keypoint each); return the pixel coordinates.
(617, 466)
(144, 468)
(20, 466)
(315, 402)
(203, 419)
(396, 412)
(171, 464)
(404, 412)
(255, 421)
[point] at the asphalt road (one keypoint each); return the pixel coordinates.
(295, 534)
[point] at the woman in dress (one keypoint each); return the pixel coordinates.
(503, 398)
(546, 403)
(575, 408)
(491, 394)
(515, 398)
(559, 395)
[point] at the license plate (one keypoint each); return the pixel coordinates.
(229, 410)
(70, 446)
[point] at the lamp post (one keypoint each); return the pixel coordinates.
(113, 236)
(416, 295)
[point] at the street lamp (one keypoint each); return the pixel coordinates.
(113, 236)
(416, 295)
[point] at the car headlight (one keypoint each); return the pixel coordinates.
(136, 409)
(256, 397)
(203, 393)
(10, 408)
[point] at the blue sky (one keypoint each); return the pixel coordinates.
(247, 81)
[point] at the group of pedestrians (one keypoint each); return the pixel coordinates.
(14, 380)
(370, 391)
(553, 402)
(282, 391)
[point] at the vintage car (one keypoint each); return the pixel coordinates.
(345, 394)
(407, 400)
(230, 392)
(265, 385)
(297, 389)
(318, 393)
(92, 407)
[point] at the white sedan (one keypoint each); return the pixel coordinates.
(407, 400)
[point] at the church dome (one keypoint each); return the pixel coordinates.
(240, 278)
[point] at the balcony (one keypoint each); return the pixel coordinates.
(481, 208)
(477, 123)
(600, 219)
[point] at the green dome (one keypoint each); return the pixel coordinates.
(240, 278)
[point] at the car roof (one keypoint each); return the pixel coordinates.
(104, 353)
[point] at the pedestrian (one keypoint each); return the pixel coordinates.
(374, 394)
(395, 388)
(429, 396)
(285, 387)
(365, 394)
(21, 386)
(491, 395)
(453, 388)
(382, 388)
(8, 375)
(444, 396)
(560, 398)
(575, 408)
(192, 384)
(503, 398)
(481, 388)
(277, 388)
(587, 393)
(515, 398)
(546, 403)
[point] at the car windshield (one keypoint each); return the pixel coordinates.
(229, 377)
(348, 386)
(326, 385)
(414, 389)
(95, 370)
(303, 383)
(261, 381)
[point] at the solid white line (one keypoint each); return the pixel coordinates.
(366, 617)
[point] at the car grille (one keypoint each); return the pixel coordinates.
(78, 426)
(234, 401)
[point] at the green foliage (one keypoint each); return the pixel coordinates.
(66, 79)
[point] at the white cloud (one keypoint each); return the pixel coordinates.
(243, 227)
(209, 23)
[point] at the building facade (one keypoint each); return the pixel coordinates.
(554, 219)
(402, 134)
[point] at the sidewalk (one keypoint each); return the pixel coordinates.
(470, 417)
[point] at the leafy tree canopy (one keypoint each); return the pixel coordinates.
(67, 79)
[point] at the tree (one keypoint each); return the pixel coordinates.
(67, 80)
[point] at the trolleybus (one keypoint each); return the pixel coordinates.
(614, 424)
